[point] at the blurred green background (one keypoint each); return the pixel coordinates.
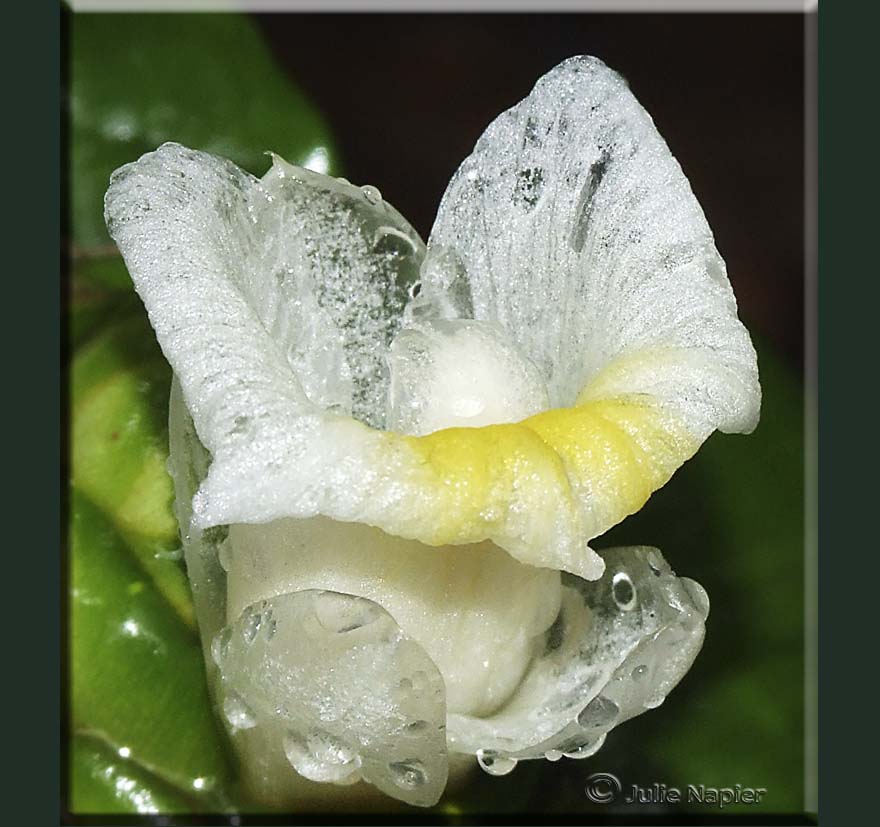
(142, 734)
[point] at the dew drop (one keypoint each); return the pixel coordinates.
(328, 750)
(553, 754)
(495, 764)
(407, 774)
(392, 242)
(220, 645)
(320, 757)
(237, 712)
(251, 626)
(623, 591)
(640, 672)
(653, 703)
(697, 594)
(585, 750)
(371, 194)
(598, 713)
(224, 555)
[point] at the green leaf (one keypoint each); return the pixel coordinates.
(103, 782)
(206, 81)
(119, 438)
(137, 674)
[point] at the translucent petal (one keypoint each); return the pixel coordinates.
(573, 226)
(619, 646)
(327, 684)
(270, 298)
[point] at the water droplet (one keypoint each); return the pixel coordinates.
(407, 774)
(392, 242)
(598, 713)
(341, 613)
(220, 645)
(320, 757)
(251, 625)
(327, 749)
(697, 594)
(237, 712)
(623, 591)
(371, 194)
(553, 755)
(640, 672)
(495, 764)
(653, 703)
(586, 749)
(124, 752)
(655, 562)
(224, 555)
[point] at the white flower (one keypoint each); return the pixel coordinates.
(389, 459)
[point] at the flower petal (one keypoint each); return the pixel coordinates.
(618, 648)
(571, 225)
(328, 684)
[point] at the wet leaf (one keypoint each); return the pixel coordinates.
(102, 781)
(137, 674)
(119, 445)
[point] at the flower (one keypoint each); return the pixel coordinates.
(389, 459)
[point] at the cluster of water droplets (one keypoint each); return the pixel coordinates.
(344, 261)
(619, 646)
(314, 672)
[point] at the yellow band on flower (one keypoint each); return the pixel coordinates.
(611, 454)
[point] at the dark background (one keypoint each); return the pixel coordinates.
(407, 96)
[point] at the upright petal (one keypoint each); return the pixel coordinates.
(573, 225)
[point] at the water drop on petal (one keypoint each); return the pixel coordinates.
(407, 774)
(237, 712)
(371, 194)
(494, 763)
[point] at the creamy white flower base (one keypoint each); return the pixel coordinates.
(389, 459)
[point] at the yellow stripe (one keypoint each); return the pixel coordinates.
(607, 456)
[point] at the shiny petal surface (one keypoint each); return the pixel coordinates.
(617, 649)
(326, 684)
